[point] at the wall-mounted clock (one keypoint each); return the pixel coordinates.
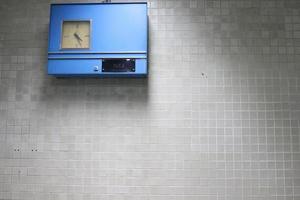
(98, 39)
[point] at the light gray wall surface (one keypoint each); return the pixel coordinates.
(217, 119)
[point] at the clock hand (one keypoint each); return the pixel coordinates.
(77, 37)
(79, 42)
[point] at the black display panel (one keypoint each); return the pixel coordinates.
(118, 65)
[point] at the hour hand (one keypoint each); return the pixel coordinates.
(77, 36)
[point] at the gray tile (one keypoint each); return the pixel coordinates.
(217, 119)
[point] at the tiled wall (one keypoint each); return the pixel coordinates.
(217, 119)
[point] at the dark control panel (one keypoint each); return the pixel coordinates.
(118, 65)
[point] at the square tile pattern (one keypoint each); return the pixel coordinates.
(217, 119)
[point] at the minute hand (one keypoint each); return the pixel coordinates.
(77, 36)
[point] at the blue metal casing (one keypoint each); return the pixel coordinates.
(118, 31)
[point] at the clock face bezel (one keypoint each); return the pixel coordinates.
(62, 33)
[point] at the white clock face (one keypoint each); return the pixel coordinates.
(75, 35)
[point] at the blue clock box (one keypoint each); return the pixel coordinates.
(118, 40)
